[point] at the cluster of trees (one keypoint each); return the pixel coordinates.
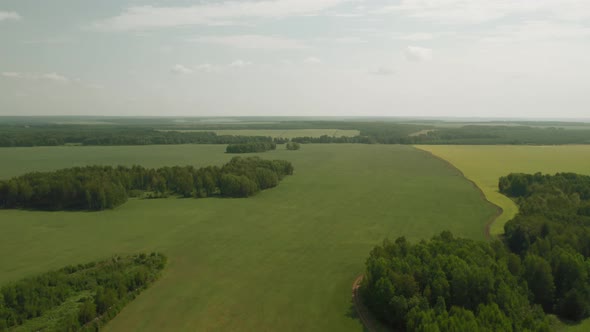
(448, 284)
(551, 236)
(98, 290)
(499, 134)
(293, 146)
(105, 187)
(333, 139)
(251, 147)
(542, 266)
(45, 135)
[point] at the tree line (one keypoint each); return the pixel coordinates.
(449, 284)
(106, 187)
(551, 236)
(19, 136)
(542, 266)
(251, 147)
(87, 295)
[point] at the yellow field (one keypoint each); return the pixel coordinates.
(484, 165)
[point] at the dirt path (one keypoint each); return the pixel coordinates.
(371, 324)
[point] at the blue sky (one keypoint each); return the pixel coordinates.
(467, 58)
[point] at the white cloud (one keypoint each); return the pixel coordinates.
(11, 74)
(224, 13)
(418, 54)
(481, 11)
(382, 71)
(180, 69)
(415, 36)
(206, 67)
(54, 77)
(251, 41)
(7, 16)
(240, 63)
(312, 60)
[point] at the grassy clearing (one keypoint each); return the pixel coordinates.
(484, 165)
(283, 260)
(283, 133)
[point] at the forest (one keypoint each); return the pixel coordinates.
(78, 297)
(450, 284)
(106, 187)
(56, 135)
(251, 147)
(551, 235)
(159, 131)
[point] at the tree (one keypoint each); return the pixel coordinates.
(293, 146)
(87, 312)
(537, 274)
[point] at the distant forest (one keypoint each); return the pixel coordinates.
(106, 187)
(78, 297)
(450, 284)
(371, 132)
(251, 147)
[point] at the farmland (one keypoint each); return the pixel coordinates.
(282, 260)
(484, 165)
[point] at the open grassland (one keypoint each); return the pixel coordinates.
(283, 260)
(282, 133)
(484, 165)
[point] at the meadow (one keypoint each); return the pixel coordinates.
(282, 260)
(484, 165)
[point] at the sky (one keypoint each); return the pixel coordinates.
(428, 58)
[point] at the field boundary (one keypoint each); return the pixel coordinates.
(369, 321)
(499, 209)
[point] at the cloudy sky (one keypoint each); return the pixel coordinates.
(468, 58)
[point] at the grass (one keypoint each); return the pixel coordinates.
(283, 260)
(282, 133)
(484, 165)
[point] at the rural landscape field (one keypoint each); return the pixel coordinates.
(294, 165)
(285, 259)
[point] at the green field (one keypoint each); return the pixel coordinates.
(283, 260)
(281, 133)
(484, 165)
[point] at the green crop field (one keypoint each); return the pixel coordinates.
(484, 165)
(282, 133)
(283, 260)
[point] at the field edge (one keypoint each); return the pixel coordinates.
(499, 210)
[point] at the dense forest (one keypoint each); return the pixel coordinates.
(498, 134)
(77, 298)
(449, 284)
(551, 235)
(105, 187)
(42, 135)
(251, 147)
(160, 131)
